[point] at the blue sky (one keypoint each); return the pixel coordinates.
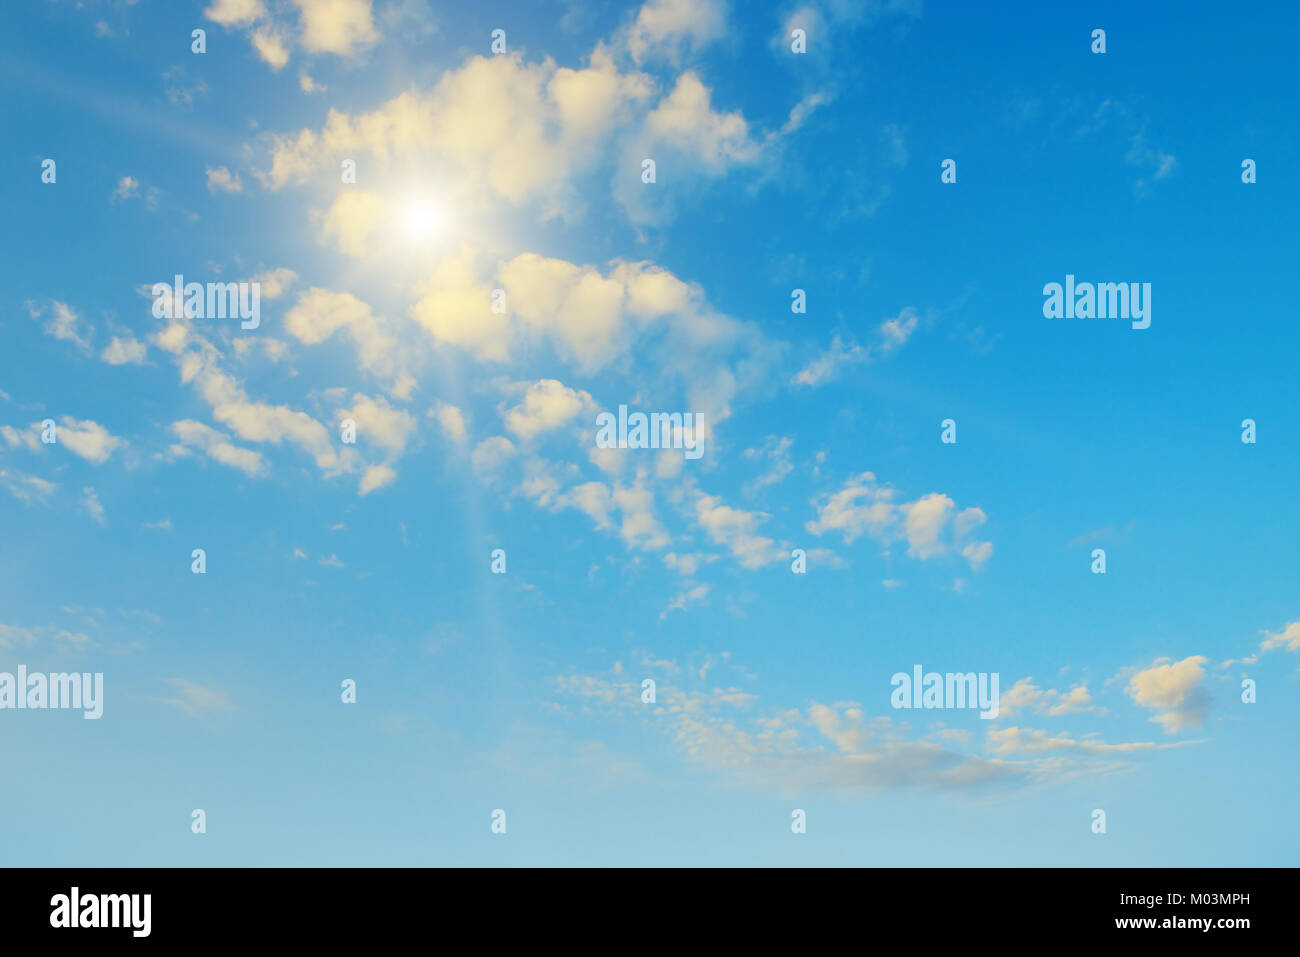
(774, 171)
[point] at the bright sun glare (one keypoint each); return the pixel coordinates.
(422, 219)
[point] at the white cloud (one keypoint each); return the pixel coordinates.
(270, 44)
(548, 405)
(826, 747)
(217, 446)
(274, 282)
(64, 323)
(931, 525)
(379, 423)
(123, 351)
(736, 529)
(689, 597)
(342, 27)
(90, 502)
(628, 509)
(88, 439)
(1288, 638)
(1031, 741)
(891, 335)
(1173, 690)
(319, 313)
(221, 179)
(28, 438)
(128, 187)
(686, 121)
(664, 28)
(376, 477)
(451, 419)
(777, 450)
(26, 488)
(491, 454)
(235, 13)
(1024, 695)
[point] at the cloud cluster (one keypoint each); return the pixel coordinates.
(344, 28)
(1173, 690)
(932, 525)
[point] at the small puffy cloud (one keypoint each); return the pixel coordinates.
(1174, 691)
(352, 221)
(1288, 638)
(308, 85)
(895, 332)
(577, 306)
(123, 351)
(516, 129)
(275, 424)
(593, 318)
(848, 730)
(627, 509)
(547, 405)
(931, 525)
(664, 28)
(269, 42)
(379, 423)
(977, 553)
(222, 180)
(274, 282)
(251, 420)
(376, 477)
(342, 27)
(319, 313)
(639, 528)
(686, 121)
(235, 13)
(455, 308)
(88, 439)
(594, 500)
(737, 530)
(128, 187)
(688, 564)
(924, 522)
(491, 454)
(217, 446)
(451, 419)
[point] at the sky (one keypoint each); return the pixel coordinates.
(838, 264)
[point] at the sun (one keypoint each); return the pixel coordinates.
(422, 219)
